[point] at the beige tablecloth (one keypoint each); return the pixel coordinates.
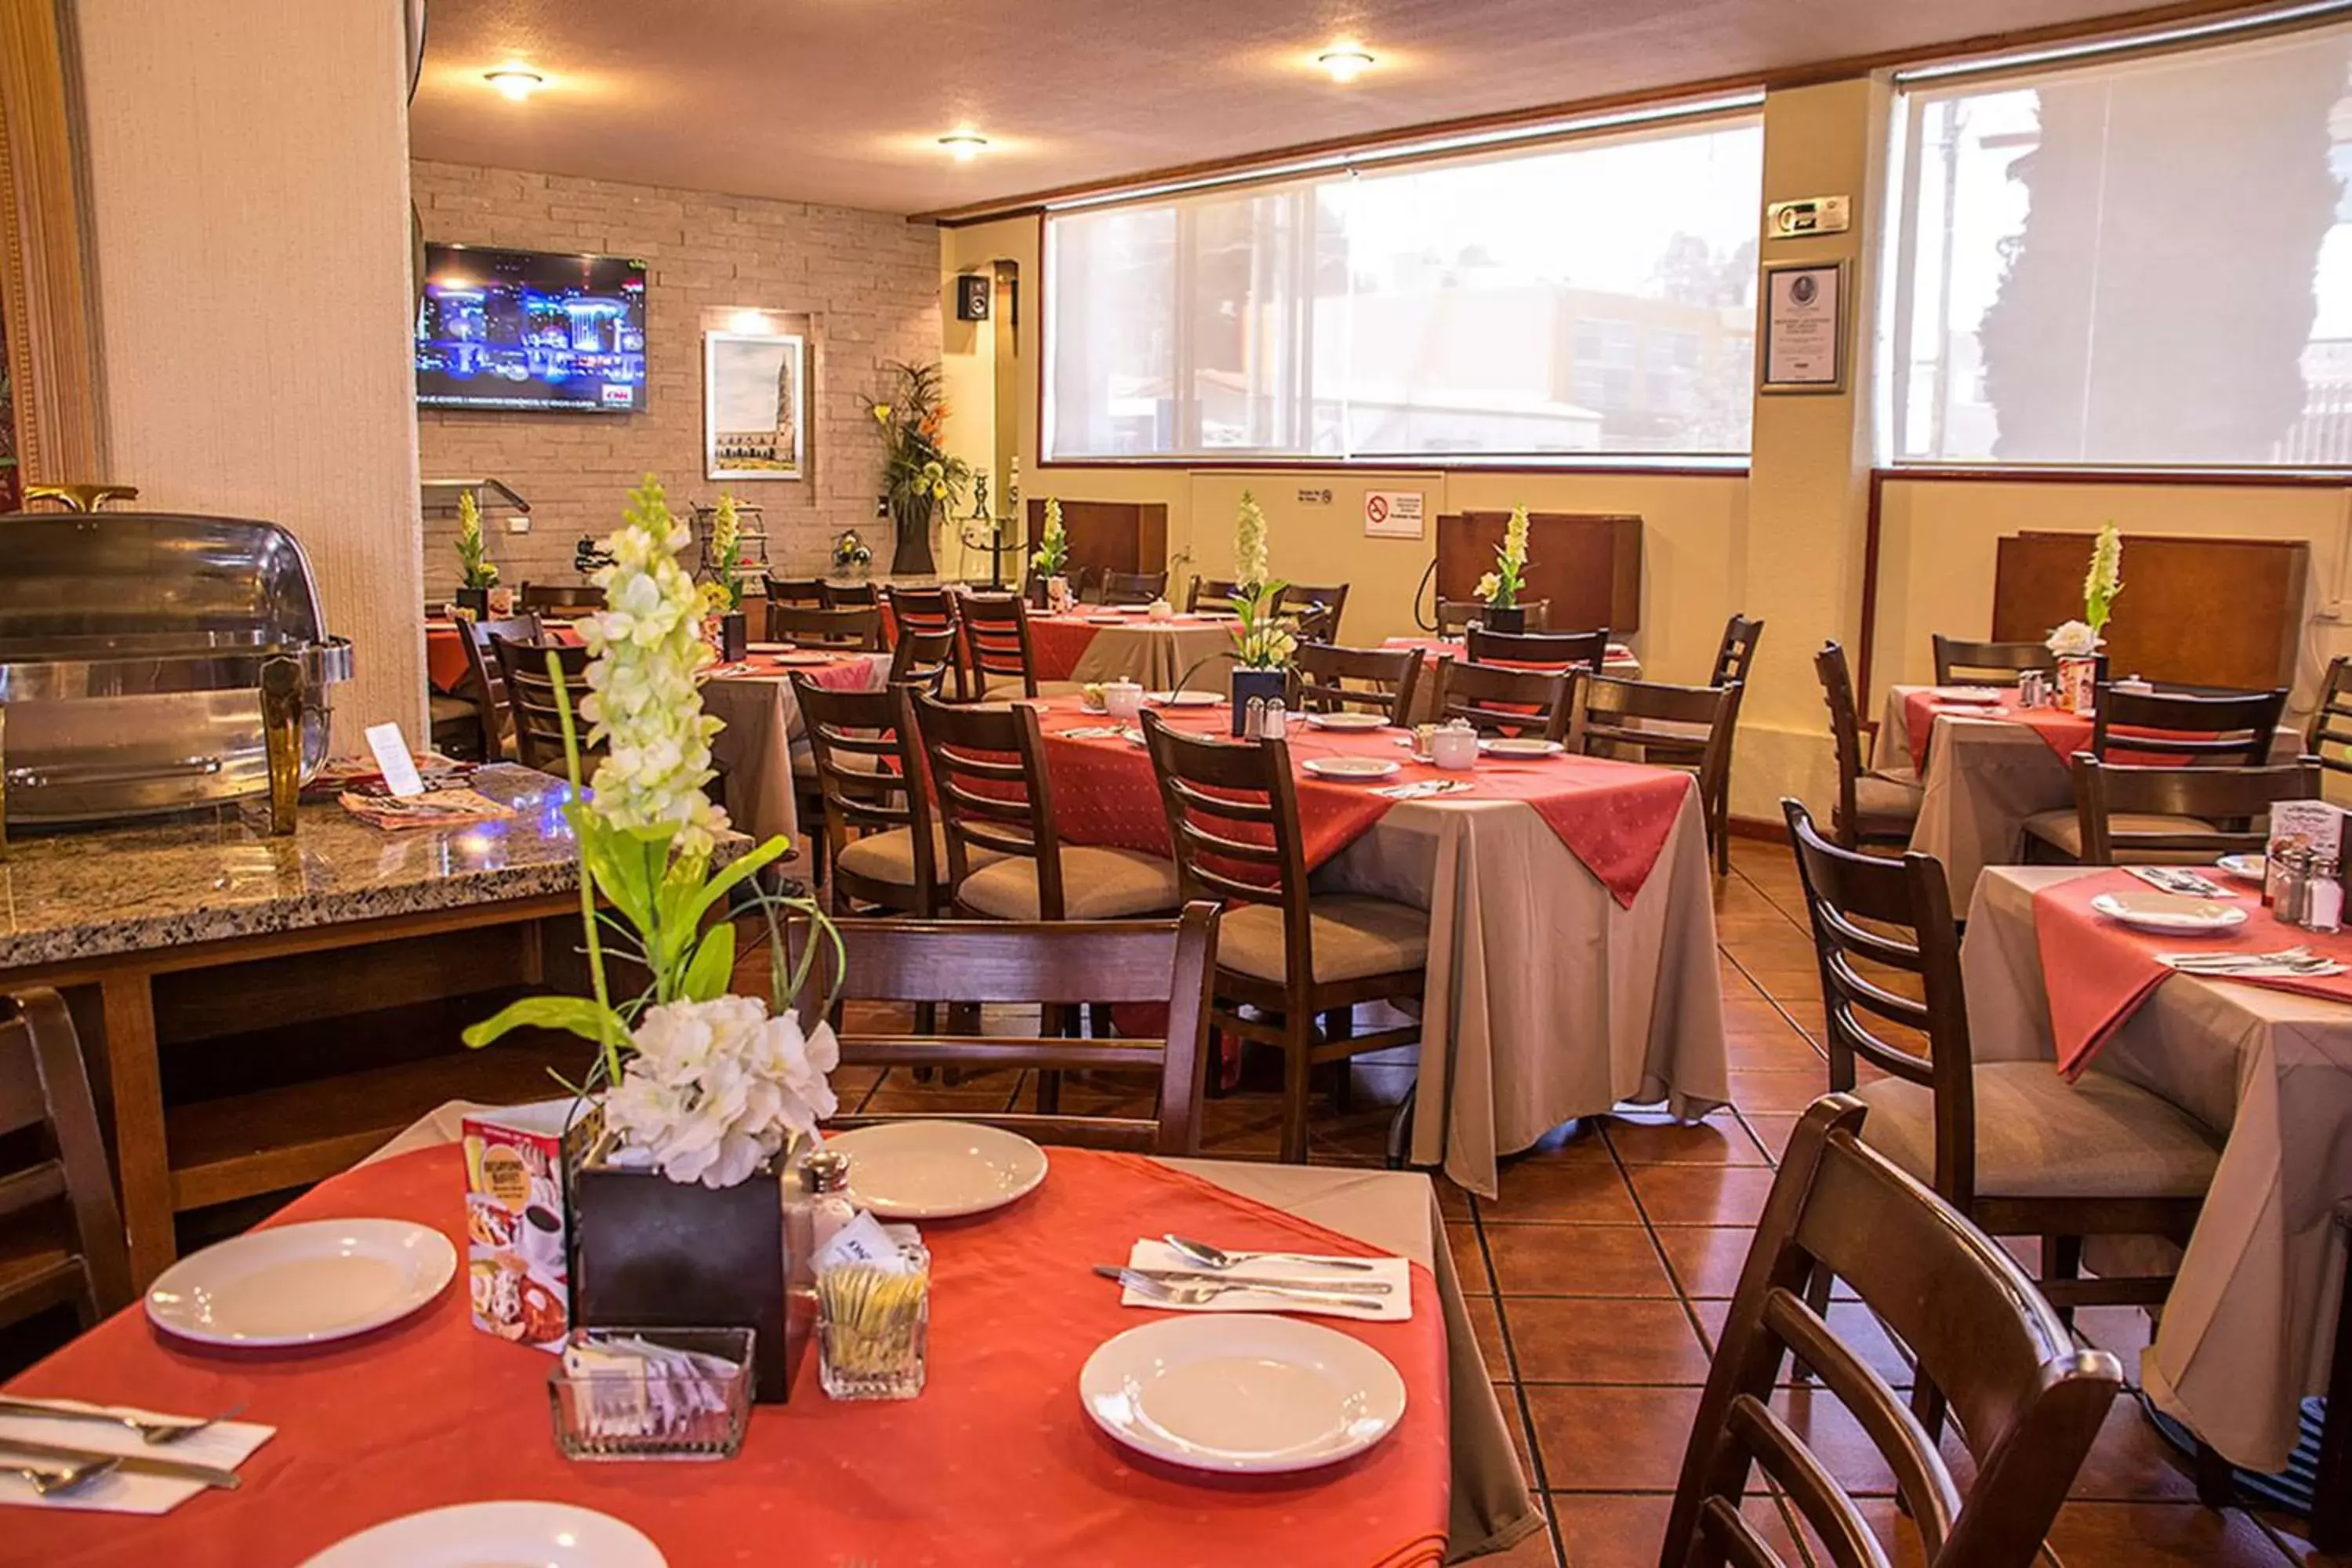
(2248, 1327)
(1547, 999)
(1393, 1210)
(753, 754)
(1156, 656)
(1985, 777)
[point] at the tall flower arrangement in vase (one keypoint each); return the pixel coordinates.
(727, 551)
(1264, 639)
(2077, 643)
(477, 572)
(1500, 588)
(1051, 559)
(919, 476)
(698, 1084)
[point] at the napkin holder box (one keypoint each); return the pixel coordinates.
(649, 1252)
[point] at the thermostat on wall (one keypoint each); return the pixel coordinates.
(1813, 215)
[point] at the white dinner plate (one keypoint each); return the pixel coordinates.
(2251, 868)
(1111, 619)
(1183, 699)
(1350, 768)
(1132, 609)
(1347, 720)
(495, 1535)
(805, 656)
(2169, 912)
(937, 1169)
(1985, 695)
(301, 1283)
(1245, 1392)
(1520, 746)
(767, 647)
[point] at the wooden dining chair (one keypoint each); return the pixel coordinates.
(530, 701)
(1388, 679)
(1733, 657)
(2030, 1404)
(1317, 609)
(883, 840)
(1000, 660)
(2330, 724)
(807, 591)
(1133, 587)
(2180, 815)
(1497, 699)
(1455, 616)
(1210, 593)
(1737, 652)
(921, 609)
(1006, 859)
(1288, 958)
(1611, 717)
(61, 1237)
(1872, 808)
(849, 596)
(849, 628)
(1055, 966)
(2011, 1144)
(2217, 730)
(1544, 651)
(489, 680)
(924, 658)
(559, 601)
(1960, 661)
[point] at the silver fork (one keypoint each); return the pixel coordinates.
(50, 1480)
(1193, 1295)
(159, 1432)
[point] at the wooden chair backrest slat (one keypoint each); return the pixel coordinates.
(1540, 650)
(993, 789)
(2236, 801)
(489, 679)
(996, 644)
(2224, 727)
(854, 629)
(530, 700)
(1958, 659)
(1845, 733)
(1388, 677)
(1737, 653)
(807, 591)
(1206, 782)
(62, 1197)
(1496, 699)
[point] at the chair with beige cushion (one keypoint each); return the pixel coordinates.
(2330, 725)
(1287, 956)
(885, 843)
(1006, 858)
(1387, 679)
(2180, 815)
(2011, 1144)
(999, 660)
(1872, 808)
(2234, 728)
(1687, 727)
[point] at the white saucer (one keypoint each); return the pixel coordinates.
(301, 1283)
(2247, 867)
(1347, 720)
(1988, 696)
(1350, 768)
(1242, 1392)
(1183, 699)
(492, 1534)
(937, 1169)
(2169, 912)
(1520, 746)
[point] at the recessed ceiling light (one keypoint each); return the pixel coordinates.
(517, 82)
(1346, 63)
(964, 145)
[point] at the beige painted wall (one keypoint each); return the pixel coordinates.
(251, 224)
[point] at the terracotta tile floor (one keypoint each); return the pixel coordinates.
(1599, 1278)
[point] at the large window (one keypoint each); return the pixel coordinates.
(1594, 297)
(2144, 260)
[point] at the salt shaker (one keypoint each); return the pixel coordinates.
(1254, 720)
(1275, 725)
(829, 1207)
(2294, 875)
(2323, 898)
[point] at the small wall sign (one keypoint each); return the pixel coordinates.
(1392, 514)
(1804, 327)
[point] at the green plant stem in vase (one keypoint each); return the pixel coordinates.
(919, 476)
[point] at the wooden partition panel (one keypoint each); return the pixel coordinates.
(1588, 564)
(2202, 612)
(1106, 535)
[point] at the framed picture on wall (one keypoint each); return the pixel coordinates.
(754, 388)
(1804, 328)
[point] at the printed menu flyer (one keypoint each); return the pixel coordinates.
(516, 1256)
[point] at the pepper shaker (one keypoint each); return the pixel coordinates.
(1254, 720)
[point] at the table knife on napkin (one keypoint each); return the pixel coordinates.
(138, 1463)
(2178, 879)
(1204, 1277)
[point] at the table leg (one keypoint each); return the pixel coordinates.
(142, 1162)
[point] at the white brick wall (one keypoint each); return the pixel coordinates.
(867, 282)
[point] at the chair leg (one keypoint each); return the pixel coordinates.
(1098, 1023)
(1719, 823)
(1340, 1024)
(1401, 1130)
(2061, 1258)
(1298, 1032)
(1054, 1020)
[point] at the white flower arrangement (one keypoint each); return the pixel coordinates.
(1250, 570)
(475, 567)
(2106, 578)
(715, 1090)
(1053, 551)
(1500, 588)
(2073, 639)
(642, 701)
(727, 552)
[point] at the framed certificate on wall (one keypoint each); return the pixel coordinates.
(1804, 328)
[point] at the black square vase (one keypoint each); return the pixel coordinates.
(1514, 619)
(477, 601)
(734, 637)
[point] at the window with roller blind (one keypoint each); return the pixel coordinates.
(2140, 261)
(1593, 297)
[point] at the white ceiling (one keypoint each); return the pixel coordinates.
(843, 101)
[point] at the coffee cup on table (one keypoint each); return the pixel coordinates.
(1123, 700)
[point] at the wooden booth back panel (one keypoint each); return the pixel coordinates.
(2201, 612)
(1588, 564)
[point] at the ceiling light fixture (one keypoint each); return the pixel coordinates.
(964, 145)
(1345, 62)
(516, 82)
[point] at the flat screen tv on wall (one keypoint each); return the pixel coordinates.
(524, 328)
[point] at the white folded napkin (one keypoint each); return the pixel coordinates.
(224, 1447)
(1396, 1307)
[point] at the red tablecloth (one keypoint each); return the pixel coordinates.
(2065, 732)
(994, 1463)
(445, 652)
(1613, 816)
(2097, 970)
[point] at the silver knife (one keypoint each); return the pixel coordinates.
(139, 1464)
(1242, 1282)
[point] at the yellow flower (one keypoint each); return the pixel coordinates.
(881, 414)
(1488, 587)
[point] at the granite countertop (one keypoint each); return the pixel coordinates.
(217, 874)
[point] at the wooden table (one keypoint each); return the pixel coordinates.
(260, 1012)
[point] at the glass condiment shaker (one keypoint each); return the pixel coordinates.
(2322, 897)
(829, 1205)
(1254, 720)
(1276, 724)
(2294, 875)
